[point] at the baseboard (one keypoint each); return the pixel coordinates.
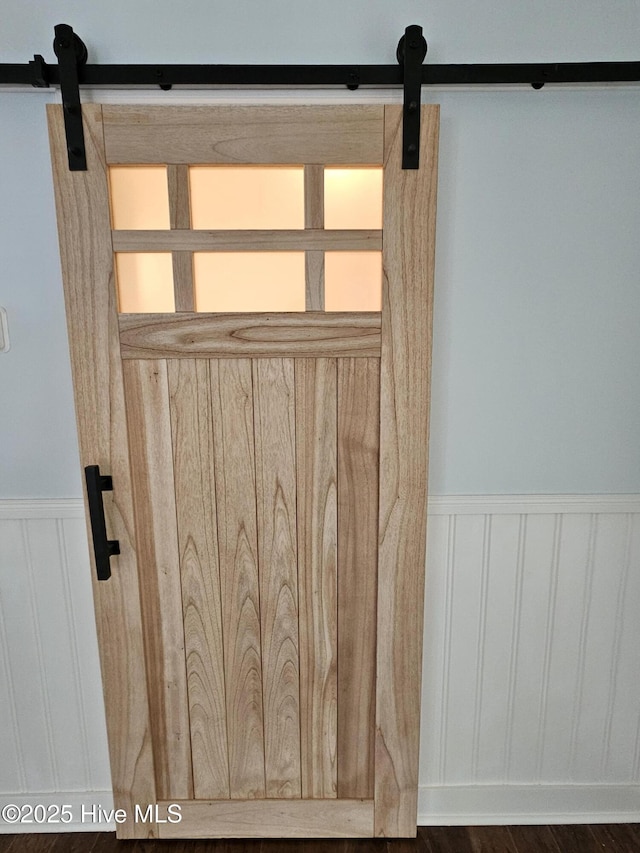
(84, 806)
(450, 805)
(469, 805)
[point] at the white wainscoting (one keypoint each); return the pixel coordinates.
(531, 687)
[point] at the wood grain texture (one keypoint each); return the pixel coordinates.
(192, 436)
(233, 438)
(274, 819)
(314, 196)
(314, 218)
(314, 281)
(275, 443)
(300, 335)
(82, 205)
(317, 558)
(180, 217)
(182, 263)
(179, 202)
(407, 309)
(150, 451)
(244, 134)
(331, 240)
(358, 463)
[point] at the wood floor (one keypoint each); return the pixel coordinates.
(620, 838)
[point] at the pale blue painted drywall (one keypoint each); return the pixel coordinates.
(537, 347)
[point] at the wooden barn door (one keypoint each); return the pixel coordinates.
(261, 631)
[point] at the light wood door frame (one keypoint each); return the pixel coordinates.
(403, 343)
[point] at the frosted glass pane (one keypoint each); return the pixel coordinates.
(249, 281)
(353, 198)
(145, 282)
(139, 197)
(247, 197)
(353, 281)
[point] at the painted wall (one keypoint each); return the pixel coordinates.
(536, 351)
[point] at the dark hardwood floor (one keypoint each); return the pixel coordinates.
(618, 838)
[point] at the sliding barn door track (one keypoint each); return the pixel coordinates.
(72, 71)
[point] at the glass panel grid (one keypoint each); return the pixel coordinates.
(248, 198)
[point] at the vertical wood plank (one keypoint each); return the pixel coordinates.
(82, 199)
(180, 217)
(407, 309)
(150, 451)
(317, 582)
(192, 434)
(314, 218)
(233, 439)
(358, 461)
(275, 441)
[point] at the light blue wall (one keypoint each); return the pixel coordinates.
(536, 384)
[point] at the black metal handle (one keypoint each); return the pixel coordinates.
(103, 548)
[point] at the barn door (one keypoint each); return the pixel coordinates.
(251, 359)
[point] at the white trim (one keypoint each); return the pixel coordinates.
(438, 505)
(18, 509)
(532, 504)
(468, 805)
(75, 799)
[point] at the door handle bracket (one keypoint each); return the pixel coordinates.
(103, 548)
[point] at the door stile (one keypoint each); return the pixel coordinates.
(405, 374)
(82, 204)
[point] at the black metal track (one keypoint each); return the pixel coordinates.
(41, 73)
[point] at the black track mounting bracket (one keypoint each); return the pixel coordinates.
(412, 49)
(72, 54)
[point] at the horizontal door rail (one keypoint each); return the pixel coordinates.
(305, 334)
(178, 240)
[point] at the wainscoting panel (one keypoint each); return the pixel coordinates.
(53, 735)
(531, 687)
(532, 642)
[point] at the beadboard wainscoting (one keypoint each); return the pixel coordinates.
(531, 692)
